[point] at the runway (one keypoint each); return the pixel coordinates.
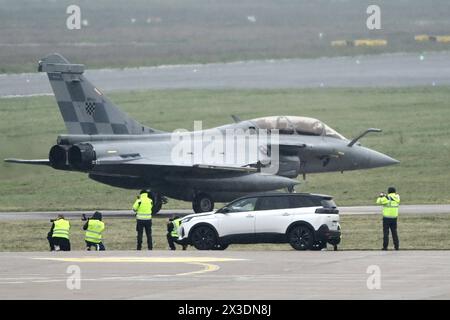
(385, 70)
(226, 275)
(354, 210)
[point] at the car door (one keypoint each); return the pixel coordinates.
(273, 216)
(237, 221)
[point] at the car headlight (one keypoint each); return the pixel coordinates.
(184, 220)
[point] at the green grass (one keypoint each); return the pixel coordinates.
(414, 122)
(416, 232)
(200, 31)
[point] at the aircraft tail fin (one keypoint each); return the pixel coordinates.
(84, 108)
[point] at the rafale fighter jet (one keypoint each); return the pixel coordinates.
(114, 149)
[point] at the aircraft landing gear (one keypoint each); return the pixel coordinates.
(158, 200)
(202, 203)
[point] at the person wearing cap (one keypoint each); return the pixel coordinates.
(94, 232)
(172, 233)
(58, 237)
(390, 203)
(143, 210)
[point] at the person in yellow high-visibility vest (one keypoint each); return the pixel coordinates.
(143, 209)
(58, 237)
(172, 233)
(94, 232)
(390, 203)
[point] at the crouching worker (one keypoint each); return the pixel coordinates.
(94, 227)
(58, 237)
(172, 233)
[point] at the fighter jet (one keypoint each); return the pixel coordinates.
(114, 149)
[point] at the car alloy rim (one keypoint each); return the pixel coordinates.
(300, 237)
(204, 237)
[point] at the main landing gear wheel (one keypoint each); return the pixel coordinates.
(157, 200)
(301, 238)
(204, 238)
(202, 203)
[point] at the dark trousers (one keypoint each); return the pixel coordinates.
(142, 225)
(62, 243)
(97, 246)
(390, 223)
(172, 240)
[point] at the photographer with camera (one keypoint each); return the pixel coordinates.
(58, 236)
(94, 227)
(390, 203)
(142, 207)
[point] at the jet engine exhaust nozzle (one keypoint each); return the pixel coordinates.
(58, 157)
(82, 156)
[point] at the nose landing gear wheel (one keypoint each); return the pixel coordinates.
(157, 200)
(202, 203)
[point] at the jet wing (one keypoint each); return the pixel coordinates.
(151, 165)
(42, 162)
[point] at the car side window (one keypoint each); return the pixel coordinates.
(242, 205)
(273, 203)
(303, 202)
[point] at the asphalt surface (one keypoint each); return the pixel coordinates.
(226, 275)
(386, 70)
(46, 215)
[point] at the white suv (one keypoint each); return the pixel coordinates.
(304, 220)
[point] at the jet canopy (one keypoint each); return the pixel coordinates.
(296, 125)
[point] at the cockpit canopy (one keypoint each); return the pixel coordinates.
(296, 125)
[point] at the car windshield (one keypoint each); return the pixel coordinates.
(296, 125)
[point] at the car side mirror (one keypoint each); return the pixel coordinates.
(224, 210)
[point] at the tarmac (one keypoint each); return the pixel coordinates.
(355, 210)
(384, 70)
(259, 275)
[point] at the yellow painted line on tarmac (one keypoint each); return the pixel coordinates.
(205, 262)
(208, 267)
(143, 259)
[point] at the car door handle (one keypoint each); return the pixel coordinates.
(286, 214)
(249, 216)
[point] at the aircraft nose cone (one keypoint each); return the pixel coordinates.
(377, 159)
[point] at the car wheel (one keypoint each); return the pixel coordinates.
(301, 238)
(202, 203)
(220, 246)
(203, 238)
(318, 245)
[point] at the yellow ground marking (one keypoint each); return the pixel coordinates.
(208, 267)
(144, 259)
(205, 262)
